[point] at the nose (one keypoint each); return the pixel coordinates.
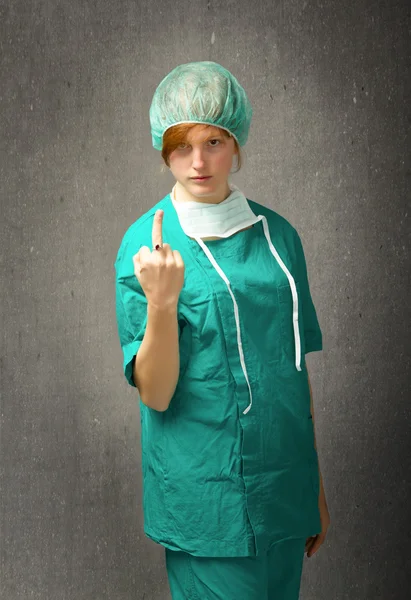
(198, 158)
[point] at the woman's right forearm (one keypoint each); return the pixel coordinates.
(157, 363)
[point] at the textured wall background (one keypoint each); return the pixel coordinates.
(329, 149)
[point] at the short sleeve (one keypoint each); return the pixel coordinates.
(131, 309)
(312, 330)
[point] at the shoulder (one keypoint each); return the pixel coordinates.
(275, 220)
(283, 232)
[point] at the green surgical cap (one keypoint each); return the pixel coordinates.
(200, 92)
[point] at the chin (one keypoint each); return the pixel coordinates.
(199, 187)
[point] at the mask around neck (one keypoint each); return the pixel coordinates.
(199, 219)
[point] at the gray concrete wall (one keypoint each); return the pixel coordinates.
(329, 149)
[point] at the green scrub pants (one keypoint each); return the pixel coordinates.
(274, 576)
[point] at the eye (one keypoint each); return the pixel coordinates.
(181, 146)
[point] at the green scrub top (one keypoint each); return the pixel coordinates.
(230, 467)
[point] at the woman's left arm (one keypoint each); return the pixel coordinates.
(314, 543)
(315, 439)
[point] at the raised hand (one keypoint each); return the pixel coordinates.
(159, 272)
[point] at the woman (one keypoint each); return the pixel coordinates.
(214, 325)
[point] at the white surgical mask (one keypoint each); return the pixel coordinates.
(200, 219)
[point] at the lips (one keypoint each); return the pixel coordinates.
(201, 178)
